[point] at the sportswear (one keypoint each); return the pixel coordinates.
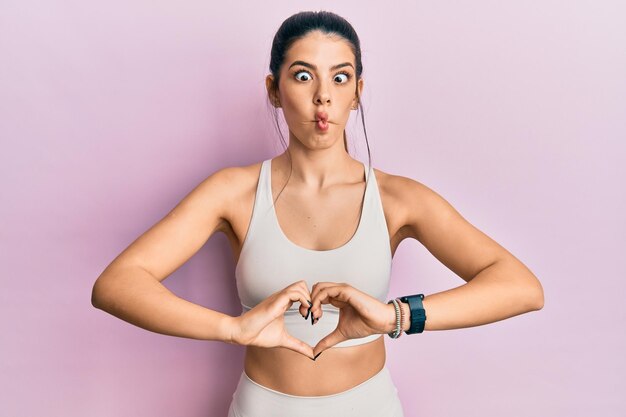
(269, 261)
(376, 396)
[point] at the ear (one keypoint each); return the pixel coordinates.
(359, 90)
(271, 91)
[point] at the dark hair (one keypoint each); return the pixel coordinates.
(296, 27)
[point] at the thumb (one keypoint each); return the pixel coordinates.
(297, 345)
(328, 341)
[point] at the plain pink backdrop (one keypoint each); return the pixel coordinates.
(112, 112)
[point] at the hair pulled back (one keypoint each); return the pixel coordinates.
(299, 25)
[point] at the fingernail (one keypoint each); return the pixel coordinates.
(307, 313)
(310, 303)
(312, 319)
(316, 320)
(315, 357)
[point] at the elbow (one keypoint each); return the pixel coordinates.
(98, 293)
(95, 296)
(539, 300)
(535, 299)
(106, 288)
(536, 302)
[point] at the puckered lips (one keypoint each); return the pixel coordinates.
(321, 115)
(321, 119)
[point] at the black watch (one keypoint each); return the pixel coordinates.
(418, 314)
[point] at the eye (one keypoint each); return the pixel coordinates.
(301, 72)
(346, 76)
(342, 75)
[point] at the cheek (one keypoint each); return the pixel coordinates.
(295, 106)
(293, 97)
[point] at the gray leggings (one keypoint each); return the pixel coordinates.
(377, 396)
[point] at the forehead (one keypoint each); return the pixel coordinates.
(321, 49)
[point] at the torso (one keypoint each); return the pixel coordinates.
(337, 369)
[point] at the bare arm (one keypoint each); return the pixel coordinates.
(495, 294)
(498, 285)
(132, 294)
(130, 287)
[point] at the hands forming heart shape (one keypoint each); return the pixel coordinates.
(360, 315)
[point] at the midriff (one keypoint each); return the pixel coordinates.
(337, 369)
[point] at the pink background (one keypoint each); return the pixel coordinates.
(112, 112)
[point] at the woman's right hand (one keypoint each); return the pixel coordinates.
(264, 325)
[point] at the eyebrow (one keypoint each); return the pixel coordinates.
(334, 67)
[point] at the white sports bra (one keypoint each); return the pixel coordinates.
(269, 261)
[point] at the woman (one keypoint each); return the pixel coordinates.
(314, 232)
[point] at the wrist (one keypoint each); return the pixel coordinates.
(390, 322)
(406, 312)
(231, 330)
(391, 317)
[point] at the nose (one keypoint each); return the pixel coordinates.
(322, 96)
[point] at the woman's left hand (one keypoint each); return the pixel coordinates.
(360, 314)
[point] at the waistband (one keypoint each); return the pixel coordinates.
(380, 375)
(377, 396)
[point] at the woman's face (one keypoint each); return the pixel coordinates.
(318, 75)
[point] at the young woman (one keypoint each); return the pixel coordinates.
(314, 232)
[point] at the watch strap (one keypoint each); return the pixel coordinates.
(418, 313)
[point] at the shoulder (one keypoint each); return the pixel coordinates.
(408, 201)
(234, 179)
(397, 186)
(228, 188)
(222, 192)
(401, 190)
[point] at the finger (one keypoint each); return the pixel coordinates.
(316, 309)
(304, 306)
(329, 341)
(297, 293)
(336, 294)
(318, 286)
(297, 345)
